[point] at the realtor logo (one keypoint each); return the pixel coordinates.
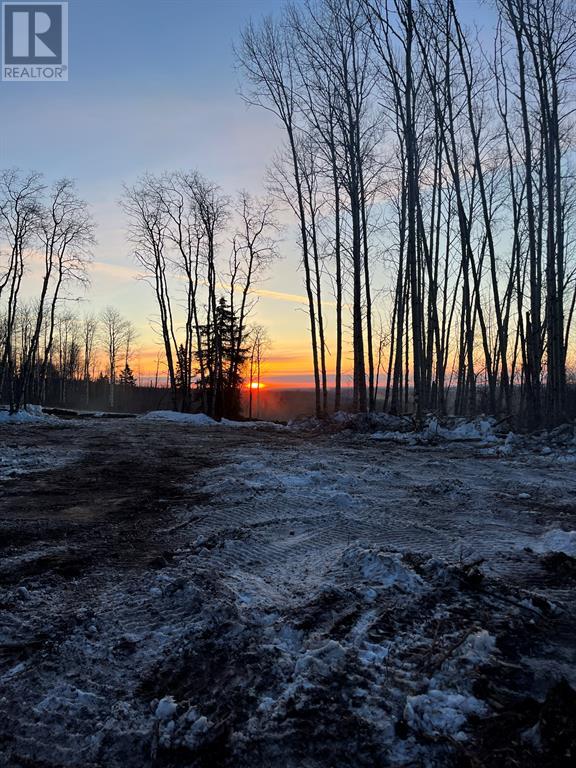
(35, 42)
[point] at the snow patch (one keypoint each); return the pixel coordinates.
(321, 661)
(557, 540)
(192, 419)
(202, 420)
(480, 430)
(442, 713)
(166, 708)
(396, 437)
(31, 414)
(21, 461)
(382, 569)
(251, 424)
(478, 646)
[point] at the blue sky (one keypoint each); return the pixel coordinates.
(152, 87)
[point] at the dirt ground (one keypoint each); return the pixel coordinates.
(177, 596)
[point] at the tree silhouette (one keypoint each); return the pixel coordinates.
(221, 367)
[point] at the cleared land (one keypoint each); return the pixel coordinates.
(178, 596)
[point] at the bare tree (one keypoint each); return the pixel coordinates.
(145, 209)
(19, 214)
(89, 334)
(66, 237)
(253, 250)
(114, 331)
(266, 56)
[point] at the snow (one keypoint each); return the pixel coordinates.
(190, 419)
(386, 570)
(15, 462)
(479, 646)
(166, 708)
(315, 591)
(251, 424)
(202, 420)
(556, 540)
(442, 713)
(396, 437)
(200, 726)
(320, 661)
(480, 431)
(32, 414)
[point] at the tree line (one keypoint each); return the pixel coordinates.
(204, 291)
(78, 358)
(203, 254)
(429, 172)
(442, 161)
(47, 350)
(46, 228)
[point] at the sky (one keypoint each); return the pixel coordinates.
(153, 86)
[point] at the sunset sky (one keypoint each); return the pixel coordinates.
(153, 87)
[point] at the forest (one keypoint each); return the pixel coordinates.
(427, 179)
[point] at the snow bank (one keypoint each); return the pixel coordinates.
(32, 414)
(557, 540)
(479, 430)
(192, 419)
(202, 420)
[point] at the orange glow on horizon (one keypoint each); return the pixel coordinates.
(290, 370)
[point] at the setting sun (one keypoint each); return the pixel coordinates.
(256, 385)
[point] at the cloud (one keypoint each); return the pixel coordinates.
(293, 298)
(116, 271)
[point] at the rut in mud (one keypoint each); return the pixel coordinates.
(239, 597)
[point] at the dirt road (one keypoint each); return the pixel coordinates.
(224, 596)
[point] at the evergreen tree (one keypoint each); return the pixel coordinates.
(183, 377)
(222, 362)
(126, 378)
